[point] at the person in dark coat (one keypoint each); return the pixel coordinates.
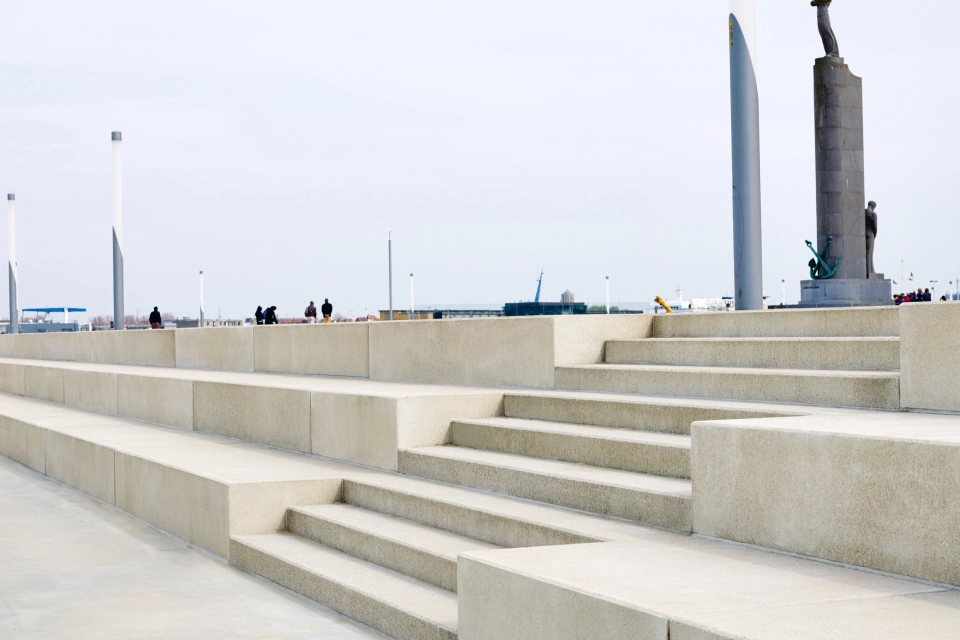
(156, 322)
(326, 309)
(271, 316)
(259, 315)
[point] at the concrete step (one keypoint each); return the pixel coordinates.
(667, 415)
(835, 354)
(410, 548)
(395, 604)
(654, 500)
(867, 389)
(662, 454)
(786, 323)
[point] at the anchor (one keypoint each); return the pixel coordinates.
(819, 270)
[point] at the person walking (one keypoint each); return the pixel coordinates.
(310, 313)
(259, 314)
(156, 322)
(270, 317)
(326, 309)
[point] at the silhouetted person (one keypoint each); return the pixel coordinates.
(310, 313)
(156, 322)
(270, 317)
(327, 310)
(259, 315)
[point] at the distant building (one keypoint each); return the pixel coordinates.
(513, 309)
(567, 297)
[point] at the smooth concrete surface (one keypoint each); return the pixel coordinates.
(161, 400)
(836, 354)
(43, 383)
(880, 491)
(648, 413)
(864, 389)
(75, 568)
(155, 348)
(98, 347)
(58, 346)
(341, 349)
(91, 390)
(785, 323)
(930, 356)
(224, 349)
(691, 589)
(12, 377)
(494, 352)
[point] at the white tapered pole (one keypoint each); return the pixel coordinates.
(118, 318)
(413, 315)
(745, 143)
(201, 299)
(608, 295)
(12, 244)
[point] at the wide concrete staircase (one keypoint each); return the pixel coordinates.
(839, 360)
(611, 456)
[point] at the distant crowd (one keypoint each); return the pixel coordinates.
(921, 295)
(269, 316)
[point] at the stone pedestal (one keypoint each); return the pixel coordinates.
(838, 109)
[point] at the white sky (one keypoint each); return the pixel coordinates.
(274, 145)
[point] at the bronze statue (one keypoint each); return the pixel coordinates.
(871, 233)
(826, 31)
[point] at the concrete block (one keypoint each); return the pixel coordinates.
(11, 378)
(43, 383)
(59, 346)
(80, 463)
(90, 390)
(157, 348)
(26, 346)
(879, 491)
(22, 441)
(369, 429)
(788, 323)
(187, 505)
(528, 608)
(261, 507)
(98, 346)
(265, 415)
(220, 348)
(581, 339)
(318, 349)
(167, 401)
(930, 356)
(485, 352)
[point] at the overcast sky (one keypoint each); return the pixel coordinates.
(274, 145)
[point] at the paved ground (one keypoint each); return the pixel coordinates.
(71, 567)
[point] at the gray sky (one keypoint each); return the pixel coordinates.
(275, 145)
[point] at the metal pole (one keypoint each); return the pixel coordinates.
(608, 295)
(12, 240)
(783, 293)
(745, 139)
(413, 315)
(201, 300)
(390, 269)
(118, 319)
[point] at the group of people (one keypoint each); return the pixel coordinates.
(921, 295)
(269, 316)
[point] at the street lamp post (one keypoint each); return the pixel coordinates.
(608, 295)
(201, 299)
(118, 319)
(12, 244)
(390, 269)
(413, 315)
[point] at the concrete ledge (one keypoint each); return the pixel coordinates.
(80, 463)
(43, 383)
(11, 378)
(23, 442)
(787, 323)
(222, 349)
(90, 390)
(318, 349)
(930, 356)
(265, 415)
(880, 491)
(58, 346)
(152, 348)
(98, 346)
(166, 401)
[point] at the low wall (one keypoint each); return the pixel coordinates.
(930, 356)
(786, 323)
(874, 490)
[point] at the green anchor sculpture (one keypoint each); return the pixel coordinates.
(819, 270)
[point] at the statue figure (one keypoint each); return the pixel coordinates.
(871, 233)
(826, 31)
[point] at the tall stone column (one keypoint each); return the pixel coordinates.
(838, 108)
(841, 201)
